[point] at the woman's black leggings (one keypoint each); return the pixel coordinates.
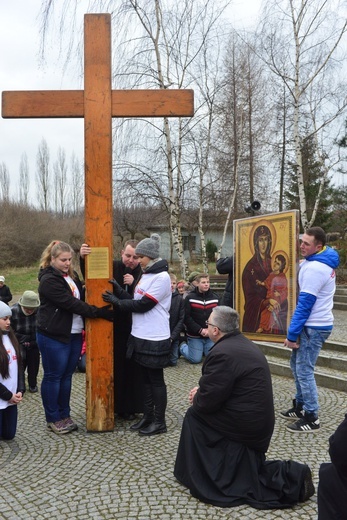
(153, 376)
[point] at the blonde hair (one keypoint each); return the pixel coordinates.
(53, 250)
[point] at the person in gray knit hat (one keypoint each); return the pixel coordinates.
(149, 343)
(4, 310)
(149, 247)
(11, 375)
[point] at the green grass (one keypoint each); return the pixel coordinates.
(20, 279)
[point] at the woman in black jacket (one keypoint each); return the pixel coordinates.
(59, 331)
(11, 375)
(5, 293)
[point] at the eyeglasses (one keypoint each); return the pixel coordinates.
(212, 324)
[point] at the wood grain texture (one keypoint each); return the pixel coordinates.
(70, 103)
(98, 213)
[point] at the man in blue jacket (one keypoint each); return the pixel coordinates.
(310, 327)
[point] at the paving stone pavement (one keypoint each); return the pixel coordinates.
(339, 332)
(120, 475)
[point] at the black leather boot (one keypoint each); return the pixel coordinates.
(148, 407)
(160, 402)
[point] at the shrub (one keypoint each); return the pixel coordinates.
(26, 231)
(211, 249)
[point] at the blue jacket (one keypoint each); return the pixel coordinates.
(306, 301)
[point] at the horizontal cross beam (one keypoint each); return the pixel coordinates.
(70, 103)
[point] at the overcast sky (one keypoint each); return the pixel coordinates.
(20, 70)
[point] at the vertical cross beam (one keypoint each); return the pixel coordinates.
(98, 216)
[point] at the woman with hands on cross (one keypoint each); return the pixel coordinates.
(59, 331)
(149, 342)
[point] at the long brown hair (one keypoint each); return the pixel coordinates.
(54, 249)
(4, 355)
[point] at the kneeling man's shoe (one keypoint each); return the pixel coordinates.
(307, 488)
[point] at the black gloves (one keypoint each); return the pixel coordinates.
(117, 288)
(145, 304)
(110, 298)
(104, 312)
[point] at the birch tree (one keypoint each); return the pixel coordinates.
(157, 45)
(302, 42)
(177, 43)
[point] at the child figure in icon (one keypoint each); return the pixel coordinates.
(273, 310)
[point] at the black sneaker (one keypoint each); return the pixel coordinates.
(308, 424)
(307, 488)
(293, 413)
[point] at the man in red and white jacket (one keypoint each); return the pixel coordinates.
(198, 306)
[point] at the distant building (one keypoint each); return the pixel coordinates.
(191, 242)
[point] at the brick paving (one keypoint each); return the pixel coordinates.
(120, 475)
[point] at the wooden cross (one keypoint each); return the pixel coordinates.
(97, 104)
